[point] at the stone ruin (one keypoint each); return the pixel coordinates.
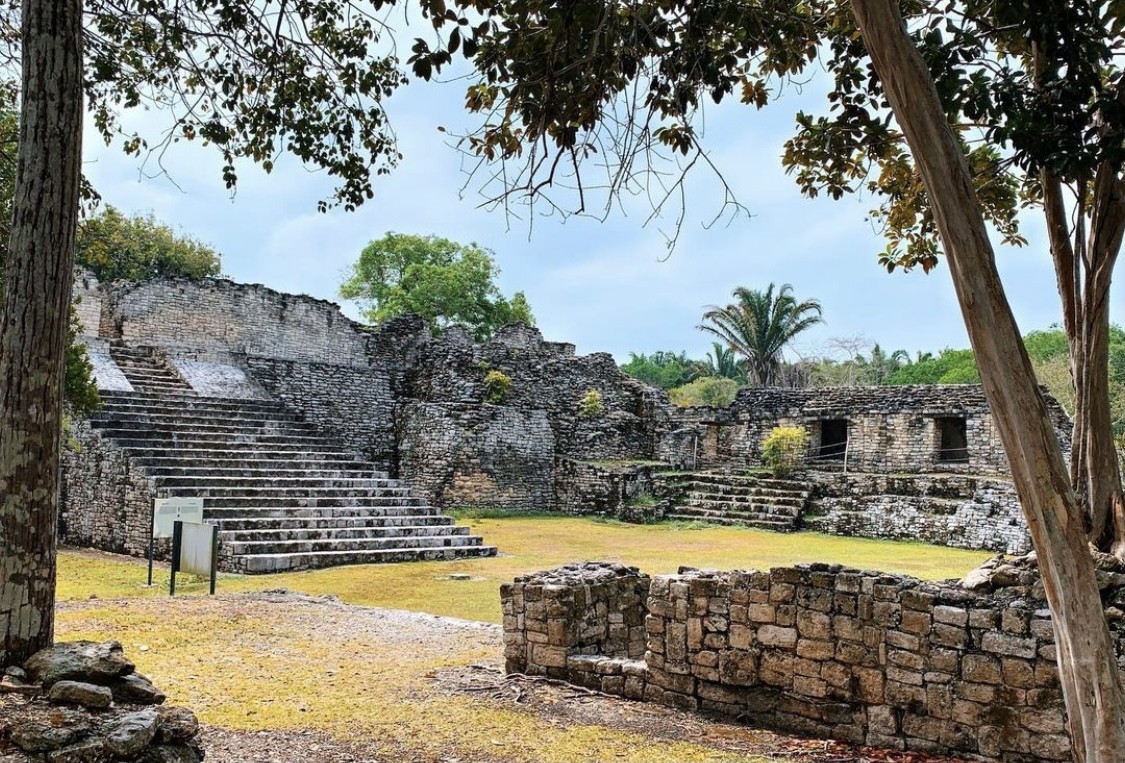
(819, 650)
(315, 440)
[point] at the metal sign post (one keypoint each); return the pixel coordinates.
(195, 549)
(167, 511)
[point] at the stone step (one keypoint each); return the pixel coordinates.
(761, 524)
(737, 509)
(269, 482)
(266, 500)
(282, 510)
(264, 563)
(333, 534)
(237, 462)
(265, 470)
(241, 547)
(114, 399)
(743, 479)
(288, 522)
(780, 500)
(718, 487)
(194, 441)
(294, 493)
(189, 425)
(193, 415)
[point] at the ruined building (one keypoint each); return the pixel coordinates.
(316, 441)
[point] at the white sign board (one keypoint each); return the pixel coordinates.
(166, 511)
(196, 548)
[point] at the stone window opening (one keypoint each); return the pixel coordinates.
(833, 440)
(953, 440)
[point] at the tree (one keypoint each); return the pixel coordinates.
(114, 246)
(714, 391)
(663, 368)
(251, 80)
(1034, 93)
(444, 282)
(563, 83)
(723, 361)
(948, 367)
(879, 368)
(758, 326)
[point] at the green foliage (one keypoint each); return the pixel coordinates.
(136, 248)
(497, 387)
(723, 361)
(590, 405)
(784, 449)
(444, 282)
(661, 369)
(713, 391)
(758, 326)
(80, 390)
(949, 367)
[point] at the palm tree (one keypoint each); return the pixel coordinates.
(759, 324)
(879, 368)
(724, 362)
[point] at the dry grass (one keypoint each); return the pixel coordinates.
(261, 663)
(530, 544)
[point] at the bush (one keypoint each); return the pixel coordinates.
(784, 449)
(715, 391)
(497, 386)
(590, 405)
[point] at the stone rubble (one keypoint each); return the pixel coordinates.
(86, 704)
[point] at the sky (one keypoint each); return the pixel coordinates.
(606, 286)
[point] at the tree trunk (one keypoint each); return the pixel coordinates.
(1091, 685)
(33, 333)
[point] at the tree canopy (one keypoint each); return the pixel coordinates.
(114, 246)
(758, 325)
(444, 282)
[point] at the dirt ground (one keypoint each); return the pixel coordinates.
(285, 678)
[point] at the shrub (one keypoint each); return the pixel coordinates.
(590, 405)
(497, 386)
(783, 450)
(715, 391)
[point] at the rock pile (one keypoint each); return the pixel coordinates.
(83, 702)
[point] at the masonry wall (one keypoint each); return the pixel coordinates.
(217, 314)
(478, 455)
(890, 429)
(106, 500)
(822, 650)
(962, 511)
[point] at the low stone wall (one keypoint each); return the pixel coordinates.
(106, 500)
(950, 510)
(821, 650)
(622, 489)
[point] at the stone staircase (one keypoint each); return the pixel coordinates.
(746, 500)
(147, 370)
(284, 495)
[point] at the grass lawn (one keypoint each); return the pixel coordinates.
(253, 664)
(528, 544)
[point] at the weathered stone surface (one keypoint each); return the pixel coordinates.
(177, 724)
(51, 732)
(137, 690)
(90, 750)
(132, 733)
(79, 693)
(169, 753)
(86, 661)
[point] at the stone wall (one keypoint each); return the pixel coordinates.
(220, 315)
(106, 501)
(478, 455)
(821, 650)
(354, 403)
(622, 489)
(947, 509)
(889, 429)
